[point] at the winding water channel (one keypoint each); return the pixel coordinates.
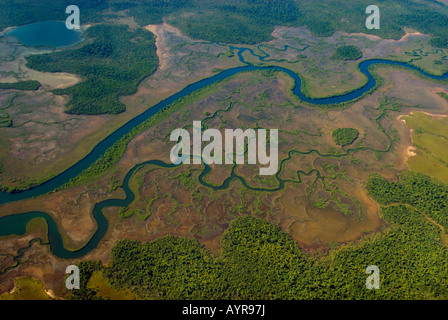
(16, 224)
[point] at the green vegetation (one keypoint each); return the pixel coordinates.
(247, 21)
(31, 85)
(415, 189)
(345, 136)
(168, 268)
(114, 153)
(347, 53)
(15, 13)
(5, 123)
(209, 26)
(430, 137)
(101, 286)
(5, 120)
(443, 95)
(86, 270)
(236, 21)
(322, 18)
(26, 288)
(113, 63)
(259, 261)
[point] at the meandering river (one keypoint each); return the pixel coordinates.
(16, 224)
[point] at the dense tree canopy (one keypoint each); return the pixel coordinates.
(259, 261)
(21, 85)
(112, 64)
(345, 136)
(257, 17)
(349, 52)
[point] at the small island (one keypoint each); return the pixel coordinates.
(345, 136)
(345, 53)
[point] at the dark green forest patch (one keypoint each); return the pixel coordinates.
(415, 189)
(225, 28)
(259, 261)
(345, 136)
(30, 85)
(347, 53)
(258, 17)
(112, 64)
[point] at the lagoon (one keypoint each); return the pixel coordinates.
(46, 34)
